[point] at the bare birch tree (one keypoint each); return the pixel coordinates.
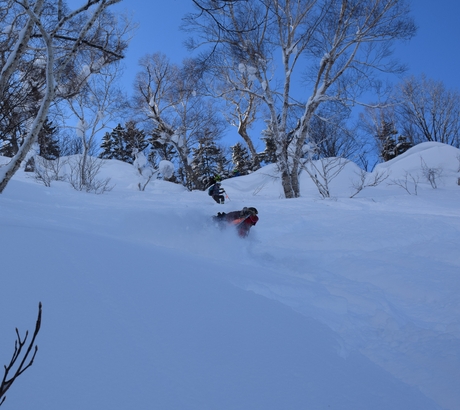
(173, 108)
(69, 45)
(336, 45)
(227, 80)
(99, 103)
(427, 111)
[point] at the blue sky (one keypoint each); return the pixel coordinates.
(158, 31)
(435, 50)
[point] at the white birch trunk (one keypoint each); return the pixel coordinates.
(7, 172)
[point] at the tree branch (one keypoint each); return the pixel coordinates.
(25, 363)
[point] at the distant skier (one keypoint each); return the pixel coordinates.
(243, 220)
(217, 192)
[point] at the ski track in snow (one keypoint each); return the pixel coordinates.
(361, 289)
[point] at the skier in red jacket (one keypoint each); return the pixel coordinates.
(243, 220)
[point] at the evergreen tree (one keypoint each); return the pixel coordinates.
(48, 141)
(121, 143)
(9, 146)
(386, 138)
(12, 128)
(134, 139)
(18, 106)
(208, 160)
(269, 153)
(10, 141)
(241, 159)
(390, 147)
(402, 145)
(268, 156)
(161, 146)
(224, 164)
(112, 144)
(106, 146)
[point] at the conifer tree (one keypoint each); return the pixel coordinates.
(122, 141)
(241, 159)
(11, 129)
(112, 144)
(159, 150)
(208, 160)
(134, 139)
(106, 146)
(48, 141)
(224, 164)
(386, 137)
(402, 145)
(268, 156)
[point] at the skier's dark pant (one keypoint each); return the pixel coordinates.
(220, 199)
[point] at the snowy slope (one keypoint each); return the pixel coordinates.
(345, 303)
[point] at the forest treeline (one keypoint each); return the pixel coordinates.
(286, 76)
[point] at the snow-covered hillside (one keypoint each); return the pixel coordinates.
(344, 303)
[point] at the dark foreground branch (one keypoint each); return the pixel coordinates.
(21, 365)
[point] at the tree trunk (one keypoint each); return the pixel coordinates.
(7, 172)
(290, 184)
(10, 168)
(242, 131)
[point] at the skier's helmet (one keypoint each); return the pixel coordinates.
(249, 211)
